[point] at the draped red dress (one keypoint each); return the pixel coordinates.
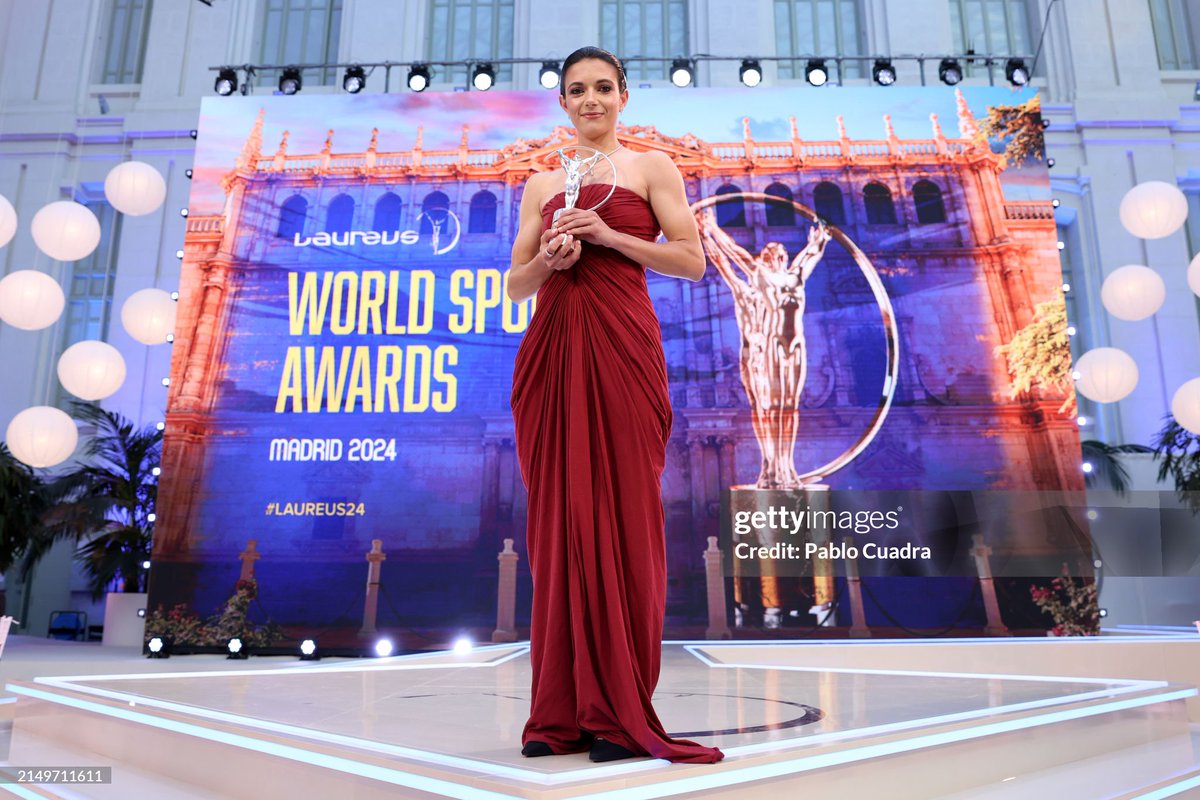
(592, 418)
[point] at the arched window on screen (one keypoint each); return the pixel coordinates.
(340, 217)
(483, 213)
(780, 214)
(388, 209)
(878, 201)
(434, 210)
(291, 217)
(927, 197)
(731, 213)
(827, 202)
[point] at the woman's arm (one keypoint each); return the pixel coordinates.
(531, 265)
(681, 255)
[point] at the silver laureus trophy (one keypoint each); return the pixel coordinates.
(578, 161)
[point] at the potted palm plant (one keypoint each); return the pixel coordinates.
(106, 506)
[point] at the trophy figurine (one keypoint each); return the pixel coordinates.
(577, 168)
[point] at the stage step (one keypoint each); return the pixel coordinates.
(1144, 733)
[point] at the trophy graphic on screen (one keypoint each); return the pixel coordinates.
(769, 304)
(769, 295)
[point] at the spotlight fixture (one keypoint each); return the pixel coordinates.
(484, 77)
(308, 650)
(816, 73)
(156, 471)
(179, 254)
(950, 72)
(418, 77)
(170, 338)
(290, 81)
(1016, 72)
(751, 72)
(1046, 123)
(883, 72)
(462, 645)
(1103, 613)
(1056, 202)
(1087, 467)
(158, 647)
(1050, 162)
(384, 648)
(549, 76)
(166, 381)
(193, 133)
(226, 83)
(188, 172)
(145, 565)
(355, 79)
(237, 649)
(183, 212)
(681, 72)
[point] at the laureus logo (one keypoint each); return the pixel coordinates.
(440, 222)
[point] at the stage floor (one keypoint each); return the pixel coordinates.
(449, 724)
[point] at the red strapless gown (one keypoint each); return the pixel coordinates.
(592, 418)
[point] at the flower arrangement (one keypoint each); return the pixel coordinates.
(1072, 603)
(185, 627)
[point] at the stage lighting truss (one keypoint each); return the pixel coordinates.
(290, 81)
(483, 77)
(883, 72)
(950, 71)
(227, 82)
(682, 72)
(355, 79)
(549, 75)
(1015, 72)
(418, 77)
(815, 72)
(751, 72)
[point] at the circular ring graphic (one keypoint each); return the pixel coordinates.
(887, 315)
(604, 155)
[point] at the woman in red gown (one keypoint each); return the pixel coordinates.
(592, 418)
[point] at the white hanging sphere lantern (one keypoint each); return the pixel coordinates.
(1106, 374)
(42, 436)
(149, 315)
(1185, 405)
(1193, 275)
(65, 230)
(30, 300)
(8, 221)
(91, 370)
(1153, 209)
(1133, 292)
(135, 188)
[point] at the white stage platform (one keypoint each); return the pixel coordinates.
(1103, 718)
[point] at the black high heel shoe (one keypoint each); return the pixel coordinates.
(534, 749)
(604, 750)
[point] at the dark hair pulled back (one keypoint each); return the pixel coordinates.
(591, 52)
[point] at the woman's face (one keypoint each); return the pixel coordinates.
(592, 98)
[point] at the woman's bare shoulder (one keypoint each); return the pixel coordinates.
(539, 187)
